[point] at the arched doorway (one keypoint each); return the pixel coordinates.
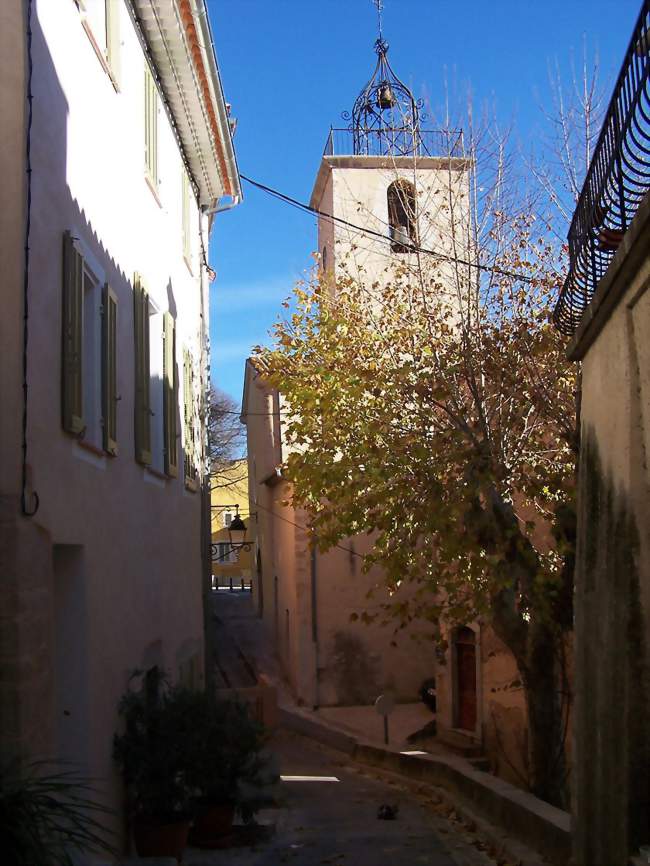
(465, 654)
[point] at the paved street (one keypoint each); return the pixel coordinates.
(336, 823)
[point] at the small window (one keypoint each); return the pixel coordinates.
(227, 518)
(96, 17)
(402, 215)
(113, 40)
(226, 554)
(150, 127)
(101, 21)
(89, 351)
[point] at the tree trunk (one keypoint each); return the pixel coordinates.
(543, 682)
(534, 648)
(535, 641)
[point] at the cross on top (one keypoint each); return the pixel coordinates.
(380, 8)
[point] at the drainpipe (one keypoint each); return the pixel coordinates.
(221, 207)
(314, 621)
(206, 512)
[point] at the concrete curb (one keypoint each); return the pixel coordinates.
(527, 819)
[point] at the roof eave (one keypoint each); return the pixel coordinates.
(180, 48)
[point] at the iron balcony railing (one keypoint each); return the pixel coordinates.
(617, 181)
(405, 141)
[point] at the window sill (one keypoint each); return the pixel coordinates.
(150, 470)
(94, 449)
(88, 453)
(153, 187)
(153, 477)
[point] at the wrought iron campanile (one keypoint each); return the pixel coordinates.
(385, 118)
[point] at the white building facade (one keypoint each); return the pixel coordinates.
(128, 152)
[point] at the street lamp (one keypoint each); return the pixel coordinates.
(236, 532)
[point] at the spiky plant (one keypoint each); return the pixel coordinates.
(47, 813)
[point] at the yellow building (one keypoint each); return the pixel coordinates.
(231, 567)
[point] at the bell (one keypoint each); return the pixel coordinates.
(385, 98)
(401, 236)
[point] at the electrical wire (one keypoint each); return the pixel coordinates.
(28, 512)
(368, 231)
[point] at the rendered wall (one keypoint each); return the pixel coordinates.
(107, 576)
(612, 582)
(354, 189)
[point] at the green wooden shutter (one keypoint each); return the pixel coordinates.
(72, 338)
(150, 126)
(109, 370)
(142, 373)
(188, 417)
(170, 395)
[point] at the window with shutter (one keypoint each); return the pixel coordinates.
(109, 371)
(141, 347)
(91, 363)
(187, 246)
(113, 40)
(156, 387)
(72, 338)
(188, 417)
(150, 127)
(170, 396)
(96, 19)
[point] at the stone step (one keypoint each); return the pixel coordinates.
(461, 742)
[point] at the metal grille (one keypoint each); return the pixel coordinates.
(617, 181)
(385, 142)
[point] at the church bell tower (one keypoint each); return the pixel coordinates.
(388, 186)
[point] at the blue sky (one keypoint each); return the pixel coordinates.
(290, 67)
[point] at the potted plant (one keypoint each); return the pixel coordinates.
(151, 754)
(227, 769)
(48, 814)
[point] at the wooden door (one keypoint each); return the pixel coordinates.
(466, 679)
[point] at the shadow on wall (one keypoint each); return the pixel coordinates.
(612, 738)
(354, 670)
(506, 741)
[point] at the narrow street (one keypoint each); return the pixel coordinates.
(335, 822)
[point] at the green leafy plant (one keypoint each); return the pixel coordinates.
(151, 752)
(47, 813)
(226, 761)
(180, 744)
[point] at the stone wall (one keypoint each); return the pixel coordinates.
(26, 683)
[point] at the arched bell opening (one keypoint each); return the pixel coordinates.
(402, 215)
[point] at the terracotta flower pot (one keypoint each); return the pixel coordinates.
(212, 820)
(160, 839)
